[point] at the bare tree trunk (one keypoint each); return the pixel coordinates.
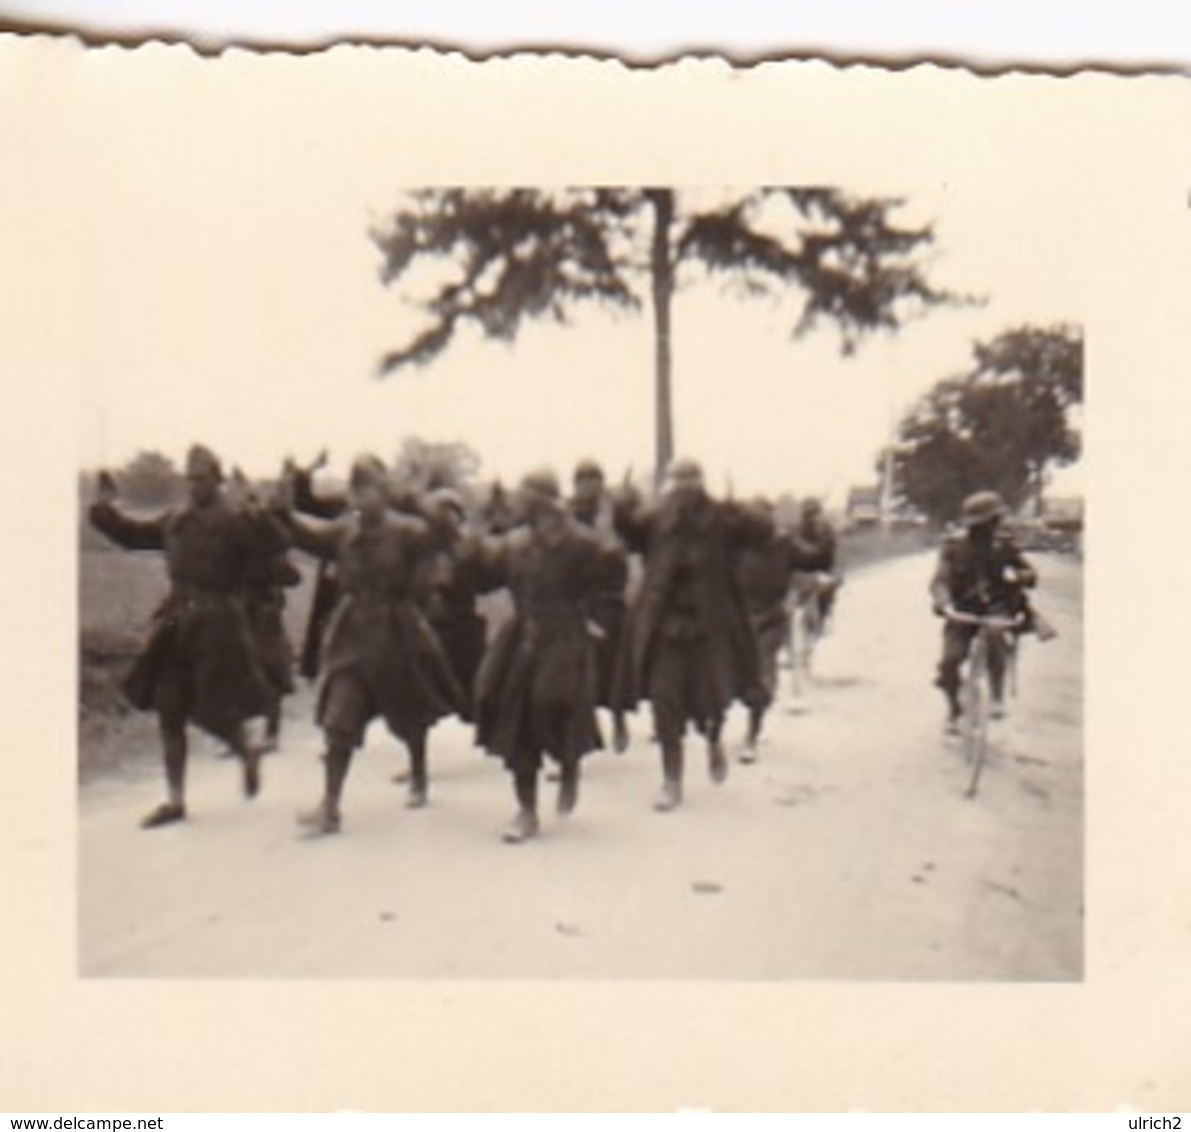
(662, 271)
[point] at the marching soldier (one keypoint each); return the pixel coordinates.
(591, 505)
(536, 690)
(763, 573)
(268, 575)
(380, 657)
(454, 578)
(688, 647)
(199, 666)
(326, 590)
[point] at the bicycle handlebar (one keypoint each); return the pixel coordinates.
(993, 621)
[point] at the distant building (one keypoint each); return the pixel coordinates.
(1063, 513)
(863, 508)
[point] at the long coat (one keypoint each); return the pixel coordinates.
(378, 634)
(326, 587)
(454, 576)
(200, 664)
(269, 574)
(536, 689)
(708, 535)
(611, 601)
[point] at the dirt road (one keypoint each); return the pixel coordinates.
(847, 852)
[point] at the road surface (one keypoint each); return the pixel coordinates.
(848, 851)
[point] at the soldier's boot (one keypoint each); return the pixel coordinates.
(620, 733)
(753, 739)
(324, 818)
(419, 788)
(954, 711)
(173, 749)
(525, 823)
(248, 749)
(272, 727)
(717, 761)
(996, 680)
(568, 786)
(672, 759)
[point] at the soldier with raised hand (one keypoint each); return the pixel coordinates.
(536, 691)
(454, 577)
(268, 575)
(764, 571)
(300, 486)
(688, 648)
(199, 666)
(380, 656)
(591, 505)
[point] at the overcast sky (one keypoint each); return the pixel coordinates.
(226, 291)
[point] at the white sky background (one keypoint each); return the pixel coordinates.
(227, 292)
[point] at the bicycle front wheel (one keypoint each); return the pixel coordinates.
(977, 730)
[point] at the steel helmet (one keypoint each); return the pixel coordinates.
(982, 507)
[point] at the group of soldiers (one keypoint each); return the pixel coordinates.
(395, 631)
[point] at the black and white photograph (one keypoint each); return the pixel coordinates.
(552, 536)
(718, 548)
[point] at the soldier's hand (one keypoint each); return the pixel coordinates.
(106, 490)
(281, 498)
(627, 496)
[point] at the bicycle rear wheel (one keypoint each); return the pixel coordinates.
(812, 628)
(977, 712)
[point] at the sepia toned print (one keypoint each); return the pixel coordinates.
(783, 629)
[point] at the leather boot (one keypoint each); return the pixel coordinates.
(568, 787)
(671, 795)
(324, 818)
(418, 790)
(717, 762)
(525, 824)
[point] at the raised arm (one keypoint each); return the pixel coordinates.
(746, 526)
(122, 529)
(482, 560)
(320, 539)
(329, 506)
(631, 520)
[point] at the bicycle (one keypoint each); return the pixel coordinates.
(806, 627)
(994, 632)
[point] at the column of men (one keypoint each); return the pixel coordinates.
(394, 630)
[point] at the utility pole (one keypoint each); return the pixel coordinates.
(887, 494)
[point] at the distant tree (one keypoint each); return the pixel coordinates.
(150, 479)
(424, 465)
(1002, 425)
(494, 257)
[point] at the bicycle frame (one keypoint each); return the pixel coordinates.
(806, 628)
(976, 690)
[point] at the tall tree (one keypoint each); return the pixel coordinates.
(150, 479)
(426, 465)
(1002, 425)
(494, 257)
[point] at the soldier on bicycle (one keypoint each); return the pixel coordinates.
(981, 571)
